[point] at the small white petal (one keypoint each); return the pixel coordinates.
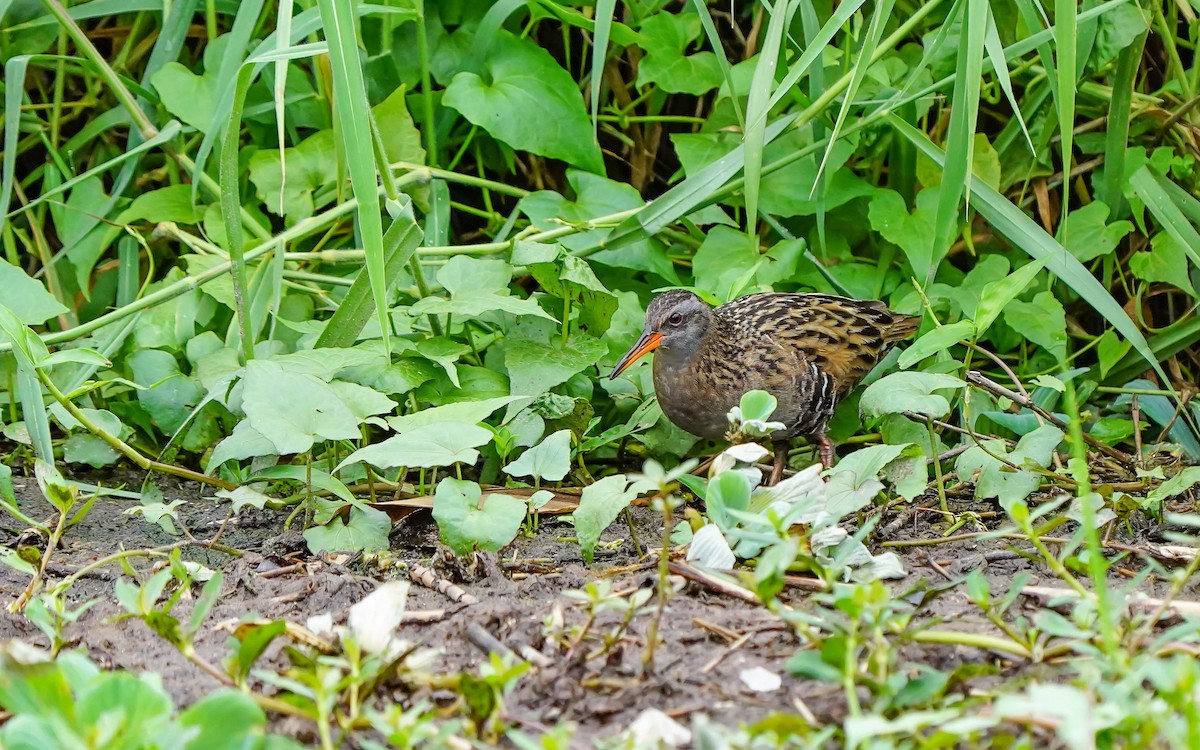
(374, 620)
(710, 549)
(653, 728)
(761, 680)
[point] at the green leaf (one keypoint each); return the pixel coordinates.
(727, 491)
(1087, 236)
(1043, 321)
(1111, 350)
(549, 459)
(294, 410)
(477, 287)
(854, 480)
(224, 720)
(538, 359)
(525, 99)
(1165, 262)
(444, 352)
(994, 479)
(366, 530)
(998, 294)
(666, 37)
(937, 340)
(462, 411)
(27, 298)
(466, 523)
(170, 395)
(89, 449)
(599, 506)
(171, 203)
(757, 406)
(190, 97)
(909, 391)
(311, 165)
(913, 233)
(439, 444)
(597, 196)
(1176, 485)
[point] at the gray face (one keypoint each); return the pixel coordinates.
(681, 317)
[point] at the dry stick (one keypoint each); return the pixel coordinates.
(1155, 607)
(980, 380)
(427, 578)
(713, 582)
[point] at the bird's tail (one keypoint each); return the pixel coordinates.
(902, 327)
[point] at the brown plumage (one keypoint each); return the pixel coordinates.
(806, 350)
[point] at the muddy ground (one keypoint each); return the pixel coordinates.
(709, 639)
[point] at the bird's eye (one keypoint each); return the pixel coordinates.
(675, 319)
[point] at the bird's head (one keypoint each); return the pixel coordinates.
(676, 321)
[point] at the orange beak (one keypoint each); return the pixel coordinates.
(646, 344)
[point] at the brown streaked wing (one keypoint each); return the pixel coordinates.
(844, 337)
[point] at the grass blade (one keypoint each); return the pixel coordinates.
(761, 87)
(231, 207)
(866, 55)
(715, 41)
(1065, 20)
(960, 144)
(995, 53)
(352, 112)
(604, 19)
(1116, 139)
(1022, 231)
(1151, 188)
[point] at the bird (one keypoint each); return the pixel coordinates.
(806, 350)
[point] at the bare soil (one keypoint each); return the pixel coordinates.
(709, 639)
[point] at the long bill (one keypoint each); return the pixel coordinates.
(646, 344)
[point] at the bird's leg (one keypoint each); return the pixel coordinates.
(781, 456)
(825, 449)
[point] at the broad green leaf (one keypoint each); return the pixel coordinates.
(444, 352)
(994, 479)
(599, 506)
(311, 165)
(439, 444)
(727, 491)
(909, 391)
(1110, 350)
(224, 720)
(998, 294)
(525, 99)
(469, 412)
(538, 359)
(365, 530)
(666, 37)
(549, 459)
(936, 340)
(854, 480)
(171, 203)
(1043, 321)
(911, 232)
(1165, 262)
(190, 97)
(170, 395)
(293, 410)
(477, 287)
(81, 448)
(468, 522)
(597, 196)
(1086, 235)
(27, 298)
(1176, 485)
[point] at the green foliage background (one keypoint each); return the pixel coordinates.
(224, 200)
